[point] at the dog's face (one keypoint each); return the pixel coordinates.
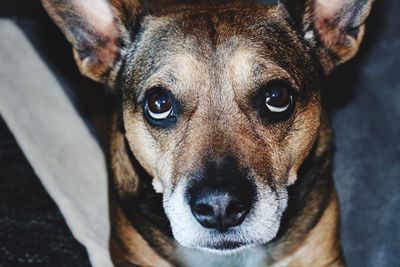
(222, 119)
(221, 105)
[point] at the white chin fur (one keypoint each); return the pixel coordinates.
(251, 256)
(259, 227)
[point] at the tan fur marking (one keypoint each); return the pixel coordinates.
(321, 247)
(301, 141)
(126, 179)
(135, 250)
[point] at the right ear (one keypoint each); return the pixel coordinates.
(98, 31)
(334, 28)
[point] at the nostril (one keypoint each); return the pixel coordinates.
(234, 208)
(203, 210)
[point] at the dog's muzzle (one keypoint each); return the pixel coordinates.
(223, 208)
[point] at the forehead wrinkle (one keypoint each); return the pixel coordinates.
(220, 92)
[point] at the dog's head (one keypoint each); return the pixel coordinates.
(221, 104)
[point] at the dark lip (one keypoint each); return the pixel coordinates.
(225, 245)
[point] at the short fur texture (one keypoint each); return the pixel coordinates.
(215, 60)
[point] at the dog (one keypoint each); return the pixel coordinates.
(220, 144)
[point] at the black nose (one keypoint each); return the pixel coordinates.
(221, 197)
(220, 209)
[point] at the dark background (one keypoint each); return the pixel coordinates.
(365, 101)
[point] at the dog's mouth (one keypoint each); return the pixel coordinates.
(225, 247)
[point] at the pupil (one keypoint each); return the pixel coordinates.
(159, 103)
(278, 97)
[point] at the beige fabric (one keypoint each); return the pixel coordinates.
(56, 141)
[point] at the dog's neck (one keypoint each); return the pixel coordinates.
(311, 200)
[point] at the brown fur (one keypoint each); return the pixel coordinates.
(214, 59)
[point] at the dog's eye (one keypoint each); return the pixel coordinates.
(158, 104)
(275, 101)
(278, 98)
(159, 107)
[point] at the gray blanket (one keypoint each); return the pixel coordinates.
(367, 160)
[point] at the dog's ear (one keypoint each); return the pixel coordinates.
(334, 27)
(98, 31)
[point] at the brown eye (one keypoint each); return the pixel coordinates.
(278, 99)
(159, 104)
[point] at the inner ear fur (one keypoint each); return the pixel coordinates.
(335, 28)
(98, 31)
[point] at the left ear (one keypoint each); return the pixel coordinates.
(335, 28)
(98, 31)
